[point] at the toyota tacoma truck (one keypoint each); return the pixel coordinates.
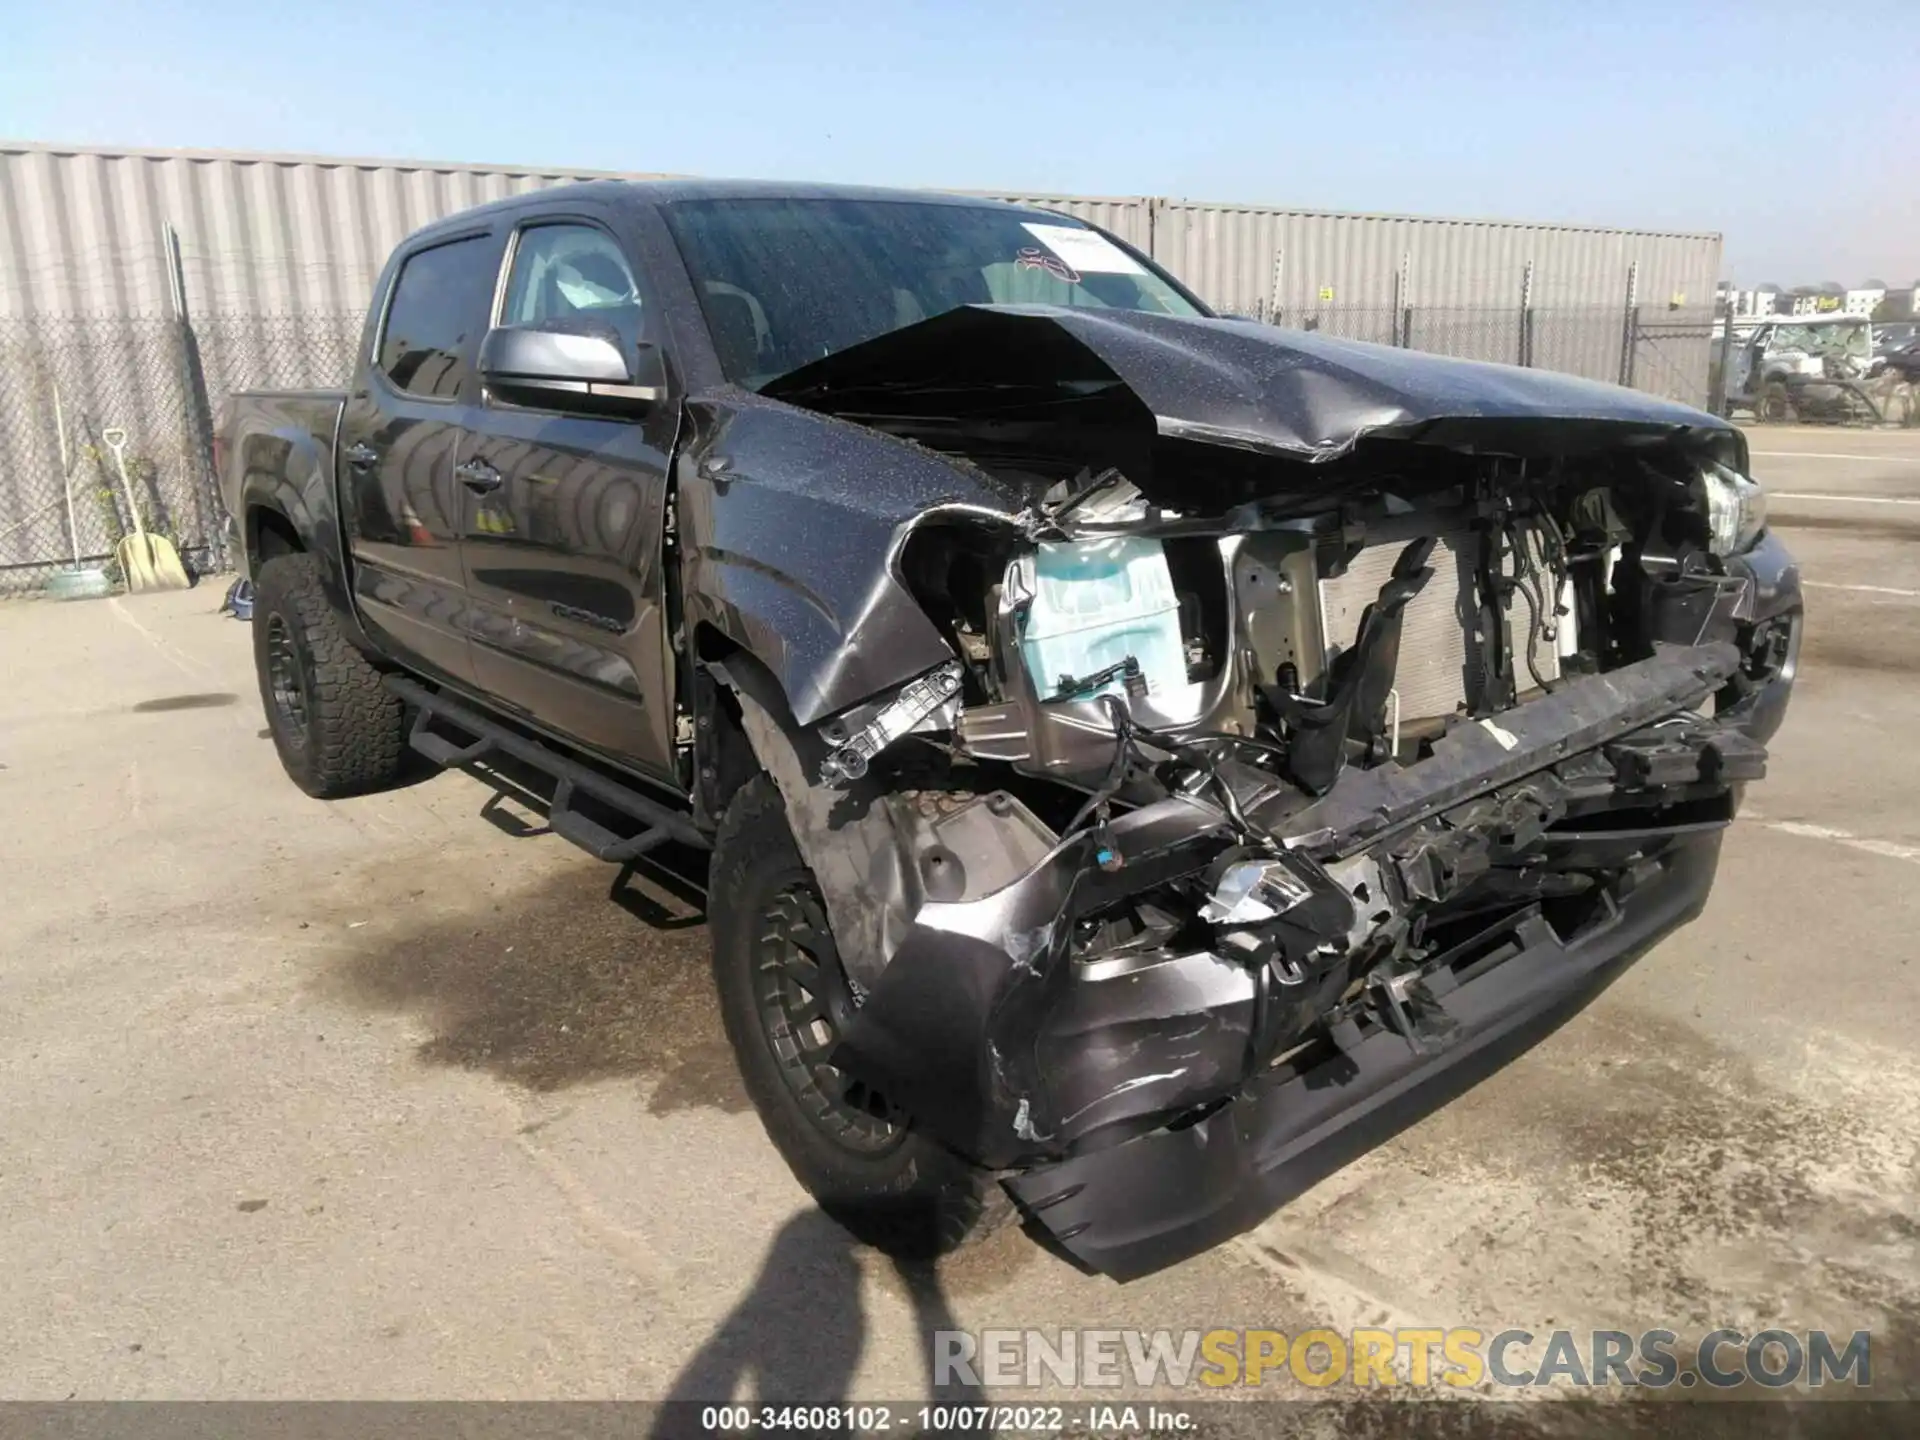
(1147, 759)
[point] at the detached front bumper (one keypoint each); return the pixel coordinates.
(1156, 1200)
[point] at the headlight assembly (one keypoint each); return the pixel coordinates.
(1736, 509)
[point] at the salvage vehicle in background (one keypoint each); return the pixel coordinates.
(1803, 367)
(1894, 335)
(1148, 759)
(1900, 353)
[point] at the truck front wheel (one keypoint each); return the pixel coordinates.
(337, 728)
(783, 999)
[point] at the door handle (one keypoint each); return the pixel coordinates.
(478, 476)
(362, 456)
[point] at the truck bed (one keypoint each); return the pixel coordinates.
(289, 420)
(258, 410)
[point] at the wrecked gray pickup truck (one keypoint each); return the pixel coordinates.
(1149, 758)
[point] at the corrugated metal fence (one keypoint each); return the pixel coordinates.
(266, 234)
(278, 253)
(80, 230)
(1560, 297)
(1260, 261)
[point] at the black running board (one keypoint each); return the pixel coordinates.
(658, 823)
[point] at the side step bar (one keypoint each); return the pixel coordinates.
(659, 823)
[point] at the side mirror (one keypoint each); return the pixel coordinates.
(569, 370)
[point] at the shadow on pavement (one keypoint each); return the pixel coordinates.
(796, 1337)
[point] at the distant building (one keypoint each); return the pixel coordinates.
(1896, 304)
(1865, 299)
(1824, 298)
(1752, 304)
(1869, 299)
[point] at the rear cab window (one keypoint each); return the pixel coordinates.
(436, 316)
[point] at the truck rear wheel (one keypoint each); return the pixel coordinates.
(338, 730)
(783, 997)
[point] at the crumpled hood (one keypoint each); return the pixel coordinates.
(1249, 385)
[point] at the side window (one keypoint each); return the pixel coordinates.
(438, 311)
(569, 274)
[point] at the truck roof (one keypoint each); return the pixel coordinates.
(662, 192)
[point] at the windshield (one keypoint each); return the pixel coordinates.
(785, 282)
(1823, 339)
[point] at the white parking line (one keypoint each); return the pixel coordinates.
(1830, 455)
(1843, 499)
(1864, 589)
(1886, 849)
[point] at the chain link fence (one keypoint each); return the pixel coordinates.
(1666, 352)
(1674, 355)
(246, 352)
(65, 381)
(1578, 340)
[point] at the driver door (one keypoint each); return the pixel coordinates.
(563, 519)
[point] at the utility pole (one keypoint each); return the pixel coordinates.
(1526, 315)
(1403, 302)
(1630, 324)
(196, 411)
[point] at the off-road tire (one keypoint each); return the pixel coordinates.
(914, 1199)
(343, 733)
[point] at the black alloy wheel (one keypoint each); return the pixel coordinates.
(804, 1001)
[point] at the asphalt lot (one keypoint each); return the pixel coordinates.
(381, 1099)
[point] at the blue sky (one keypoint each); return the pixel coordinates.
(1793, 129)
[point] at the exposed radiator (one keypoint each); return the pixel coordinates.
(1437, 662)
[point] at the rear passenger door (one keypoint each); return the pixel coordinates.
(398, 436)
(563, 516)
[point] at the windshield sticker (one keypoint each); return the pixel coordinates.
(1087, 251)
(1034, 258)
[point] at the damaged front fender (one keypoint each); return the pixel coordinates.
(953, 1030)
(790, 528)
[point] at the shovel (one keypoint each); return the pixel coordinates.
(148, 561)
